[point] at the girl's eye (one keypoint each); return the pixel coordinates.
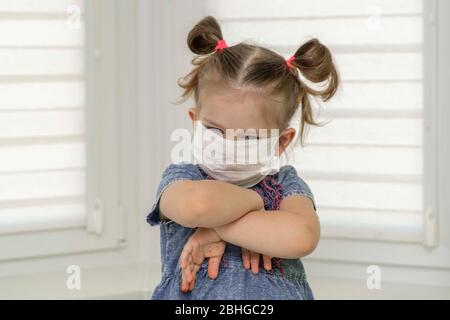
(216, 130)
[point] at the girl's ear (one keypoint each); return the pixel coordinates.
(192, 114)
(285, 139)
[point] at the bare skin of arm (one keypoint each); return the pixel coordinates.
(291, 232)
(207, 203)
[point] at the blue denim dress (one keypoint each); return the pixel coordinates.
(286, 280)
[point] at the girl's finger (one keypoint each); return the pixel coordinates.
(192, 284)
(246, 258)
(187, 250)
(184, 286)
(189, 275)
(184, 262)
(194, 273)
(186, 272)
(196, 268)
(267, 262)
(184, 282)
(197, 257)
(213, 266)
(254, 261)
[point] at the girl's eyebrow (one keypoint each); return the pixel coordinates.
(213, 123)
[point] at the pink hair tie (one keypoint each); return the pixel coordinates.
(288, 61)
(221, 44)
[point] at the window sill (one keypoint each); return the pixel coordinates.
(325, 288)
(121, 282)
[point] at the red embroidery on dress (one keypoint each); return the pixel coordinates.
(271, 192)
(277, 264)
(224, 262)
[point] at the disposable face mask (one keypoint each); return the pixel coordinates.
(240, 162)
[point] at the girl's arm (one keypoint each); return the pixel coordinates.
(291, 232)
(207, 203)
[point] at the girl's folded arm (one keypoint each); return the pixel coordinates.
(207, 203)
(291, 232)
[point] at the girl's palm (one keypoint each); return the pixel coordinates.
(192, 257)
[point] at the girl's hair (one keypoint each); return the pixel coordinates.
(261, 70)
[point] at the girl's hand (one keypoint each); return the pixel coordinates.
(203, 243)
(251, 260)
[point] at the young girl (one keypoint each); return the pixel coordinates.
(252, 227)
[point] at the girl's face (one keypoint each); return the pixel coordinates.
(223, 107)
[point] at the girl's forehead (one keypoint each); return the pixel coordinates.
(234, 108)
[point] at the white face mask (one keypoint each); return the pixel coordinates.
(241, 162)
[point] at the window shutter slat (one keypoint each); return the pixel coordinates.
(333, 31)
(371, 225)
(46, 156)
(396, 96)
(318, 8)
(23, 6)
(41, 184)
(39, 33)
(41, 61)
(38, 95)
(41, 124)
(380, 66)
(377, 194)
(45, 217)
(360, 160)
(371, 131)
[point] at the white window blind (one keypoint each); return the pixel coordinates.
(365, 167)
(42, 146)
